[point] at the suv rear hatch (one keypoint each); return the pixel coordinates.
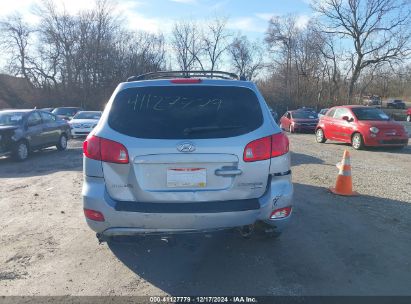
(185, 143)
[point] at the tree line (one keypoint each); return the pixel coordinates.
(350, 48)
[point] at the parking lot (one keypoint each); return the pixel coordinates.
(334, 245)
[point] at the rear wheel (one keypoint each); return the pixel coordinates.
(319, 136)
(357, 141)
(21, 151)
(62, 144)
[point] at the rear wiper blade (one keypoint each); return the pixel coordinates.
(188, 131)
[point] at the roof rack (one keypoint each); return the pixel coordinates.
(185, 74)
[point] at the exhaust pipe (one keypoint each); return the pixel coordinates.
(246, 231)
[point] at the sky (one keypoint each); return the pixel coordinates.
(248, 16)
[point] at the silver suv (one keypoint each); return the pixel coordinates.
(173, 155)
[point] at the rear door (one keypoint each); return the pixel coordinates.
(185, 143)
(35, 130)
(51, 130)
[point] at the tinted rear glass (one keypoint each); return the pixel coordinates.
(87, 115)
(304, 115)
(65, 111)
(11, 118)
(185, 112)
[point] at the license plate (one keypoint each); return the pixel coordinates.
(186, 177)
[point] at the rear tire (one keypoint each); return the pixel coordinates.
(319, 136)
(62, 144)
(357, 141)
(21, 151)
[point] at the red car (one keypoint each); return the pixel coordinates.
(299, 121)
(361, 126)
(409, 115)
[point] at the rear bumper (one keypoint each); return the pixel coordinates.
(121, 220)
(5, 153)
(305, 128)
(4, 149)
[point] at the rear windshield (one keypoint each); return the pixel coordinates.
(369, 114)
(304, 115)
(65, 111)
(185, 112)
(87, 115)
(11, 118)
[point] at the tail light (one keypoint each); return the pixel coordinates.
(94, 215)
(106, 150)
(259, 149)
(281, 213)
(266, 147)
(279, 144)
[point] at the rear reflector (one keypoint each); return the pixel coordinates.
(185, 80)
(106, 150)
(266, 147)
(281, 213)
(94, 215)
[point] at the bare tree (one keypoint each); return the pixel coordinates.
(280, 38)
(246, 57)
(215, 41)
(14, 39)
(330, 61)
(378, 29)
(79, 58)
(186, 42)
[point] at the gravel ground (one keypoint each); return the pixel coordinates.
(334, 245)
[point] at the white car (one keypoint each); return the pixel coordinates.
(83, 122)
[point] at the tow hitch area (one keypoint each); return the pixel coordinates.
(260, 228)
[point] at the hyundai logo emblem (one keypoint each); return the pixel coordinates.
(186, 147)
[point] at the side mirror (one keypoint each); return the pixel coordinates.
(345, 118)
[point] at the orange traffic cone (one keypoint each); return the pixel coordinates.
(343, 186)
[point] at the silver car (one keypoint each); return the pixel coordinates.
(186, 155)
